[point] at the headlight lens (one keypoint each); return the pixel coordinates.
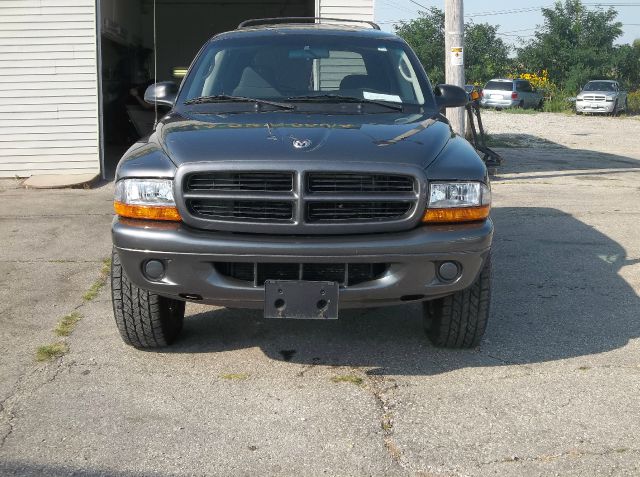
(457, 202)
(610, 98)
(146, 199)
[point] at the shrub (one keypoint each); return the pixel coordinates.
(634, 102)
(558, 101)
(538, 81)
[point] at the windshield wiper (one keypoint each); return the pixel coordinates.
(332, 98)
(223, 98)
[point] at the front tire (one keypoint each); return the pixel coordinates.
(460, 320)
(144, 319)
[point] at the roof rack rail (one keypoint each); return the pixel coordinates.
(275, 21)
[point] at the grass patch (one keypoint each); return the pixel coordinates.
(235, 376)
(347, 378)
(106, 267)
(95, 288)
(67, 324)
(493, 141)
(51, 351)
(519, 111)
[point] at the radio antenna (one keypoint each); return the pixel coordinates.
(155, 63)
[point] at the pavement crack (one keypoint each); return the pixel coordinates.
(8, 417)
(26, 385)
(571, 453)
(381, 389)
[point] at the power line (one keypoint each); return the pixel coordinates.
(419, 4)
(396, 5)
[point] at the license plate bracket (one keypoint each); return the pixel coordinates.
(301, 300)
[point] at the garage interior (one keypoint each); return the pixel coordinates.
(182, 27)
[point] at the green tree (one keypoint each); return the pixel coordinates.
(425, 35)
(486, 55)
(627, 65)
(574, 44)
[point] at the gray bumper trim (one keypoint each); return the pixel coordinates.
(413, 256)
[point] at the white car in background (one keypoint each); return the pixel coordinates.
(603, 97)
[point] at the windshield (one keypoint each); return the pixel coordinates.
(296, 68)
(599, 86)
(499, 85)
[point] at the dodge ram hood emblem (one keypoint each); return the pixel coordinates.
(301, 143)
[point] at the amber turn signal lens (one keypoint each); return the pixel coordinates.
(147, 212)
(456, 215)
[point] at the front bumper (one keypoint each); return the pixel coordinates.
(595, 106)
(189, 256)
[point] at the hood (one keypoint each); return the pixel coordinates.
(383, 138)
(603, 93)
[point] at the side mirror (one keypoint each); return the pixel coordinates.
(450, 96)
(162, 94)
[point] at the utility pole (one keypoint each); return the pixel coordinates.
(454, 56)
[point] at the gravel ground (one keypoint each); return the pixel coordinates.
(552, 390)
(600, 133)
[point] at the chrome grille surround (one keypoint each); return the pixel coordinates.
(381, 197)
(594, 97)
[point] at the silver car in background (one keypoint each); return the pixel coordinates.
(510, 93)
(601, 96)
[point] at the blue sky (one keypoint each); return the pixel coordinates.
(516, 18)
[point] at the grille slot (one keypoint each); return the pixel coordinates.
(240, 181)
(358, 183)
(243, 210)
(379, 211)
(342, 273)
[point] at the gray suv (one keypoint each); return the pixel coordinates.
(304, 168)
(509, 93)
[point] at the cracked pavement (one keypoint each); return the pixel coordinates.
(552, 390)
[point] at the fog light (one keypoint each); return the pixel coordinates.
(154, 269)
(449, 271)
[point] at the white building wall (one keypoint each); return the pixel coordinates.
(49, 120)
(347, 9)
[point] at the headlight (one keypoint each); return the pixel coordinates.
(610, 98)
(457, 202)
(146, 199)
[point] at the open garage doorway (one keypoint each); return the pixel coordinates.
(127, 60)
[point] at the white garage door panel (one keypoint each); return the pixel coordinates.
(48, 87)
(353, 9)
(46, 153)
(46, 138)
(44, 4)
(23, 169)
(44, 100)
(79, 49)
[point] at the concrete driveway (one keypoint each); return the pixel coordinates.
(553, 389)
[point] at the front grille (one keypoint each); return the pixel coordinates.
(321, 182)
(288, 199)
(345, 274)
(241, 210)
(594, 97)
(332, 212)
(240, 181)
